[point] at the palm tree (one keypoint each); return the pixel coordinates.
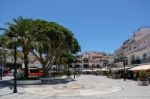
(24, 29)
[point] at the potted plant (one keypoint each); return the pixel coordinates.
(109, 73)
(143, 78)
(98, 72)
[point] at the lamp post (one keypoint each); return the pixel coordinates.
(2, 63)
(82, 66)
(14, 38)
(1, 67)
(124, 70)
(74, 72)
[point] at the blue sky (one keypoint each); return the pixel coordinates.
(99, 25)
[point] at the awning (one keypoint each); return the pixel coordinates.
(104, 69)
(141, 67)
(119, 68)
(96, 69)
(87, 70)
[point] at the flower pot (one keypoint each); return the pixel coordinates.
(143, 82)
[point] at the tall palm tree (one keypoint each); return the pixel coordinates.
(27, 40)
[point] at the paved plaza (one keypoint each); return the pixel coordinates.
(84, 87)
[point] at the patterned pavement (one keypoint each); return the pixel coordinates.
(129, 90)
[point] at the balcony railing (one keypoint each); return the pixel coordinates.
(145, 60)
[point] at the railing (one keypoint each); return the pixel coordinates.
(145, 61)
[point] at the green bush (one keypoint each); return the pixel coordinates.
(98, 72)
(77, 73)
(143, 75)
(11, 65)
(109, 73)
(68, 73)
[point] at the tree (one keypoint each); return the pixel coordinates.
(45, 40)
(60, 39)
(68, 59)
(24, 29)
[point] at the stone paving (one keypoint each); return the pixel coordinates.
(72, 89)
(129, 90)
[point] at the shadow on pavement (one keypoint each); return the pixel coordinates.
(52, 81)
(6, 94)
(57, 81)
(5, 83)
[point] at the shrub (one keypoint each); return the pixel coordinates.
(143, 75)
(98, 72)
(11, 65)
(109, 72)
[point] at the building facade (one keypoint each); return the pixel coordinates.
(90, 60)
(136, 48)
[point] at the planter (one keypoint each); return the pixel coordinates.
(143, 78)
(54, 80)
(50, 80)
(26, 82)
(47, 78)
(143, 82)
(69, 79)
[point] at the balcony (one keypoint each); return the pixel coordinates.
(147, 60)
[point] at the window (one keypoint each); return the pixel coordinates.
(144, 56)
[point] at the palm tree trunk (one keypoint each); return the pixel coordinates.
(45, 71)
(26, 65)
(26, 53)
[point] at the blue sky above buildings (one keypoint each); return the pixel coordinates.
(99, 25)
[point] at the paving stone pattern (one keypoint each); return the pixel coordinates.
(129, 90)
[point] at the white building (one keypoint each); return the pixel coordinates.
(136, 48)
(33, 62)
(92, 59)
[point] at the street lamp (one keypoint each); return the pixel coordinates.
(124, 64)
(82, 63)
(1, 67)
(74, 72)
(15, 38)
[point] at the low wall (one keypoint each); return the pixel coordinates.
(26, 82)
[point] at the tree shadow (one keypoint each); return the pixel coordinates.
(56, 81)
(52, 81)
(4, 83)
(6, 94)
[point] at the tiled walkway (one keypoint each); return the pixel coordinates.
(129, 90)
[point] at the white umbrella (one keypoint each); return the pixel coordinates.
(104, 69)
(96, 69)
